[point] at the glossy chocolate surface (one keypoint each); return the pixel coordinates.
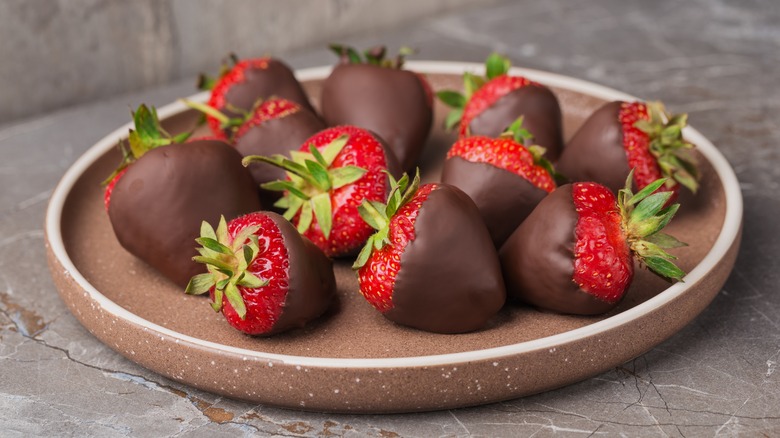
(261, 83)
(538, 259)
(389, 102)
(158, 205)
(450, 277)
(312, 287)
(503, 198)
(541, 117)
(596, 151)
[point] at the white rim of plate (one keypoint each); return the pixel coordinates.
(728, 234)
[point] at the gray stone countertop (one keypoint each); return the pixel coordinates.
(716, 60)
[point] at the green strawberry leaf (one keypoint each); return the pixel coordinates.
(665, 241)
(650, 206)
(664, 268)
(452, 98)
(217, 263)
(342, 176)
(306, 217)
(213, 245)
(218, 297)
(199, 284)
(364, 254)
(284, 186)
(319, 174)
(235, 299)
(496, 65)
(321, 205)
(453, 119)
(471, 83)
(251, 281)
(645, 192)
(371, 215)
(332, 149)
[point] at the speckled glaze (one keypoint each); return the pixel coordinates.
(383, 367)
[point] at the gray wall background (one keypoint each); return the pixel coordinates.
(56, 53)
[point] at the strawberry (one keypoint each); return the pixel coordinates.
(505, 178)
(272, 126)
(375, 93)
(262, 275)
(242, 82)
(492, 103)
(575, 252)
(163, 189)
(331, 174)
(621, 136)
(431, 265)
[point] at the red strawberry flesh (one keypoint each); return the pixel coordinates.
(603, 264)
(636, 144)
(377, 276)
(268, 110)
(110, 187)
(506, 154)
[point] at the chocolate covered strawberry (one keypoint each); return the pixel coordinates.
(621, 136)
(505, 178)
(491, 103)
(242, 82)
(375, 93)
(272, 126)
(262, 275)
(164, 189)
(431, 265)
(575, 253)
(331, 174)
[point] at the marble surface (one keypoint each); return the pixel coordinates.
(716, 60)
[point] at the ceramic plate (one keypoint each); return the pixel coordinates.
(353, 360)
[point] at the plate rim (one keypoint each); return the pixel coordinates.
(729, 233)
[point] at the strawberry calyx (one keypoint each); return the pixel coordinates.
(643, 216)
(206, 82)
(666, 144)
(227, 261)
(378, 215)
(310, 182)
(495, 66)
(373, 56)
(147, 135)
(522, 136)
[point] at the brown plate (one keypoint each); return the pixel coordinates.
(354, 360)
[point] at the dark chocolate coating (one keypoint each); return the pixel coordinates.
(158, 205)
(277, 136)
(541, 117)
(503, 198)
(275, 80)
(312, 287)
(596, 151)
(388, 101)
(450, 277)
(538, 259)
